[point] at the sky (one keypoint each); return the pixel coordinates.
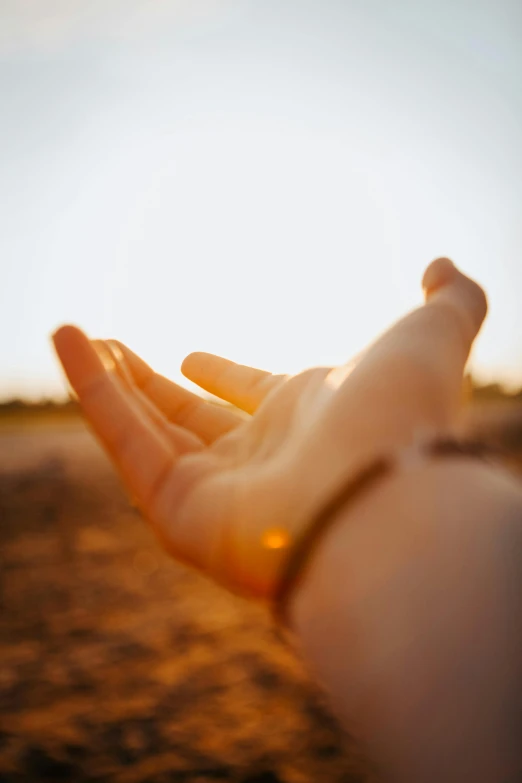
(263, 179)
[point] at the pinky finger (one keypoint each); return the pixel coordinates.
(142, 454)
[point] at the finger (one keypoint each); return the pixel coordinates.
(455, 309)
(445, 285)
(411, 378)
(183, 440)
(424, 354)
(243, 386)
(405, 389)
(180, 406)
(142, 454)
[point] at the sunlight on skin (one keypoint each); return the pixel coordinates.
(232, 508)
(240, 385)
(178, 404)
(276, 539)
(109, 361)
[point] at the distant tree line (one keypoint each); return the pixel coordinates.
(19, 405)
(474, 391)
(490, 392)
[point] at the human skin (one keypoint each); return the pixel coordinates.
(219, 488)
(410, 615)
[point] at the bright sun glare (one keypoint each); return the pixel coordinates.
(260, 182)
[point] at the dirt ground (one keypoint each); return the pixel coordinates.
(117, 664)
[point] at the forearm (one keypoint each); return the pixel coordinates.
(410, 614)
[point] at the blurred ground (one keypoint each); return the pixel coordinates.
(117, 664)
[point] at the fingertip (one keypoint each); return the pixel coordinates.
(192, 363)
(62, 332)
(439, 273)
(444, 282)
(79, 357)
(67, 337)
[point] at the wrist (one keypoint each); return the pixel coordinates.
(401, 592)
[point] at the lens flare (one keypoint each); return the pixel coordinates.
(276, 539)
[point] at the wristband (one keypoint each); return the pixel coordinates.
(302, 551)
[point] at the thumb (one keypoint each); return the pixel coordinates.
(444, 285)
(409, 381)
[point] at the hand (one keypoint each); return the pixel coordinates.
(229, 494)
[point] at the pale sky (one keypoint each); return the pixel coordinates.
(264, 179)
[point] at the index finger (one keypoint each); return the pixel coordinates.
(243, 386)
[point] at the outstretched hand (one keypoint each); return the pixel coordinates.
(229, 491)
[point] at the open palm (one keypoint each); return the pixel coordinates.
(229, 492)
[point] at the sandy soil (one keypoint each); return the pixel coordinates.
(117, 664)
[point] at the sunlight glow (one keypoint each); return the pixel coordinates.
(276, 539)
(267, 183)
